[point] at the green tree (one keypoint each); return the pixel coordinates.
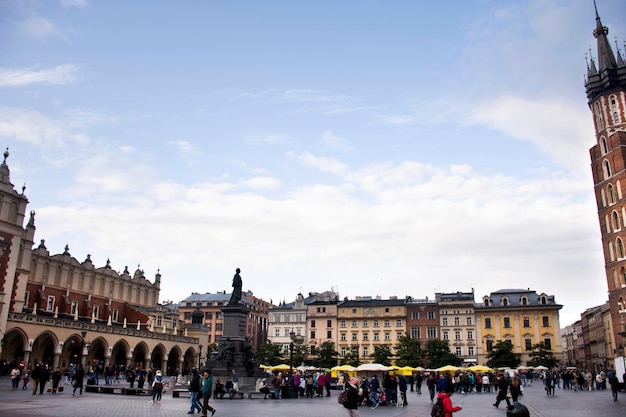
(269, 354)
(300, 352)
(382, 355)
(352, 357)
(541, 355)
(438, 354)
(502, 356)
(326, 355)
(409, 351)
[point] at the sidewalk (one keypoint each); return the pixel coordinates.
(564, 403)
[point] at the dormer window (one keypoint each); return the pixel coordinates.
(486, 301)
(543, 300)
(524, 301)
(505, 301)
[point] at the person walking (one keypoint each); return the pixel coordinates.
(431, 385)
(36, 377)
(374, 386)
(235, 379)
(56, 379)
(353, 397)
(15, 377)
(194, 390)
(614, 382)
(448, 408)
(157, 387)
(206, 393)
(79, 376)
(503, 386)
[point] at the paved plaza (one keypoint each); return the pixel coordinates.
(564, 403)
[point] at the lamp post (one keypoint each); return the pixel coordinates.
(199, 356)
(294, 339)
(83, 357)
(355, 351)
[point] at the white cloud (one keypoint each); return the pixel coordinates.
(558, 128)
(61, 74)
(330, 141)
(328, 165)
(185, 147)
(36, 128)
(40, 28)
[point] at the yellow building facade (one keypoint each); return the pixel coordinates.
(522, 317)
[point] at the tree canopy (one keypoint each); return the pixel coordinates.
(541, 355)
(438, 354)
(409, 351)
(502, 356)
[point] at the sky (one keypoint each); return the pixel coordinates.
(373, 148)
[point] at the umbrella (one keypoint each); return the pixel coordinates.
(281, 367)
(448, 368)
(480, 368)
(347, 369)
(373, 367)
(406, 370)
(541, 368)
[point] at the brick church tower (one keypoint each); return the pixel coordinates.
(606, 94)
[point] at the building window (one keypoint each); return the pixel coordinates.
(431, 332)
(376, 336)
(387, 336)
(431, 315)
(416, 332)
(329, 323)
(457, 321)
(343, 351)
(387, 323)
(470, 351)
(603, 146)
(606, 168)
(365, 323)
(415, 315)
(312, 334)
(470, 335)
(73, 308)
(116, 315)
(444, 321)
(487, 322)
(354, 311)
(218, 327)
(219, 315)
(524, 301)
(96, 311)
(528, 344)
(354, 324)
(354, 337)
(343, 323)
(548, 343)
(505, 302)
(610, 194)
(365, 337)
(526, 321)
(398, 336)
(469, 320)
(489, 345)
(50, 304)
(343, 337)
(329, 334)
(277, 332)
(545, 321)
(387, 310)
(208, 315)
(312, 323)
(159, 321)
(616, 222)
(376, 323)
(398, 323)
(544, 301)
(445, 335)
(366, 351)
(457, 335)
(459, 351)
(507, 322)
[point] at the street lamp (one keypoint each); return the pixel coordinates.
(294, 339)
(83, 333)
(355, 351)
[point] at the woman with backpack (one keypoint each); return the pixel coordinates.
(443, 407)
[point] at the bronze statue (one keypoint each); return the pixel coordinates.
(236, 296)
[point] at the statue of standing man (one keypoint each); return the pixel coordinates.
(236, 296)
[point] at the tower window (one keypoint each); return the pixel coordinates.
(604, 148)
(611, 194)
(607, 169)
(616, 224)
(613, 102)
(620, 248)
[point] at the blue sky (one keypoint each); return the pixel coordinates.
(377, 148)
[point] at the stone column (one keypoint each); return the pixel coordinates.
(55, 360)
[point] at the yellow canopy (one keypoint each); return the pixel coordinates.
(344, 369)
(448, 368)
(281, 367)
(480, 368)
(406, 370)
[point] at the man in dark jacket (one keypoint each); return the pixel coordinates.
(503, 386)
(79, 376)
(194, 389)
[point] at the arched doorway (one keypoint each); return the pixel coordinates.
(13, 346)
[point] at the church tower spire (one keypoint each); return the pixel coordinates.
(606, 94)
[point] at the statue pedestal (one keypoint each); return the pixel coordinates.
(241, 358)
